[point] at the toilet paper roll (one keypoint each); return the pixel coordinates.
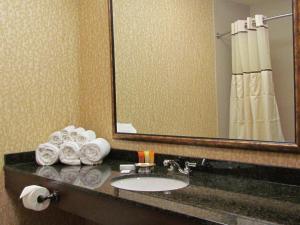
(30, 196)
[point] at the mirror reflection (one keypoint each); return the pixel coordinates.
(209, 68)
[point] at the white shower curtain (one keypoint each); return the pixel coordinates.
(253, 107)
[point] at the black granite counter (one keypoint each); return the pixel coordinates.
(220, 193)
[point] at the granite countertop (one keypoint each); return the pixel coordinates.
(223, 198)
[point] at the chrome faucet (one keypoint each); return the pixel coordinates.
(172, 164)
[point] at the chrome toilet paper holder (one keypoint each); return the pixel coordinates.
(54, 197)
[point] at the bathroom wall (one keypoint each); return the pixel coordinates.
(42, 82)
(97, 113)
(225, 12)
(39, 68)
(51, 63)
(39, 55)
(178, 82)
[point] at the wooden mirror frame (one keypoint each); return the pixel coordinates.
(217, 142)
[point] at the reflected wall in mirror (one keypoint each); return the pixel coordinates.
(209, 68)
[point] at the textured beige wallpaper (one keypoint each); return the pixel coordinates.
(39, 56)
(164, 54)
(96, 103)
(39, 68)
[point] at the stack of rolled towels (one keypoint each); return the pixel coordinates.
(72, 146)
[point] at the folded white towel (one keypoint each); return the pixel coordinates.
(70, 174)
(49, 172)
(91, 134)
(56, 138)
(66, 133)
(69, 153)
(74, 133)
(93, 177)
(68, 129)
(85, 137)
(66, 137)
(46, 154)
(93, 152)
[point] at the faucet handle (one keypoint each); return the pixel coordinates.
(168, 163)
(190, 164)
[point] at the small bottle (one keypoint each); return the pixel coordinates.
(147, 156)
(141, 156)
(151, 156)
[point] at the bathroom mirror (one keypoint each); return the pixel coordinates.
(211, 72)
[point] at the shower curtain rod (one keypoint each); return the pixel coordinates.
(218, 35)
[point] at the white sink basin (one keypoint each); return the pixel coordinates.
(149, 183)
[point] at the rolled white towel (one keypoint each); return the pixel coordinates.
(91, 134)
(68, 129)
(70, 174)
(74, 133)
(69, 153)
(93, 176)
(46, 154)
(85, 137)
(92, 153)
(66, 137)
(49, 172)
(66, 133)
(56, 138)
